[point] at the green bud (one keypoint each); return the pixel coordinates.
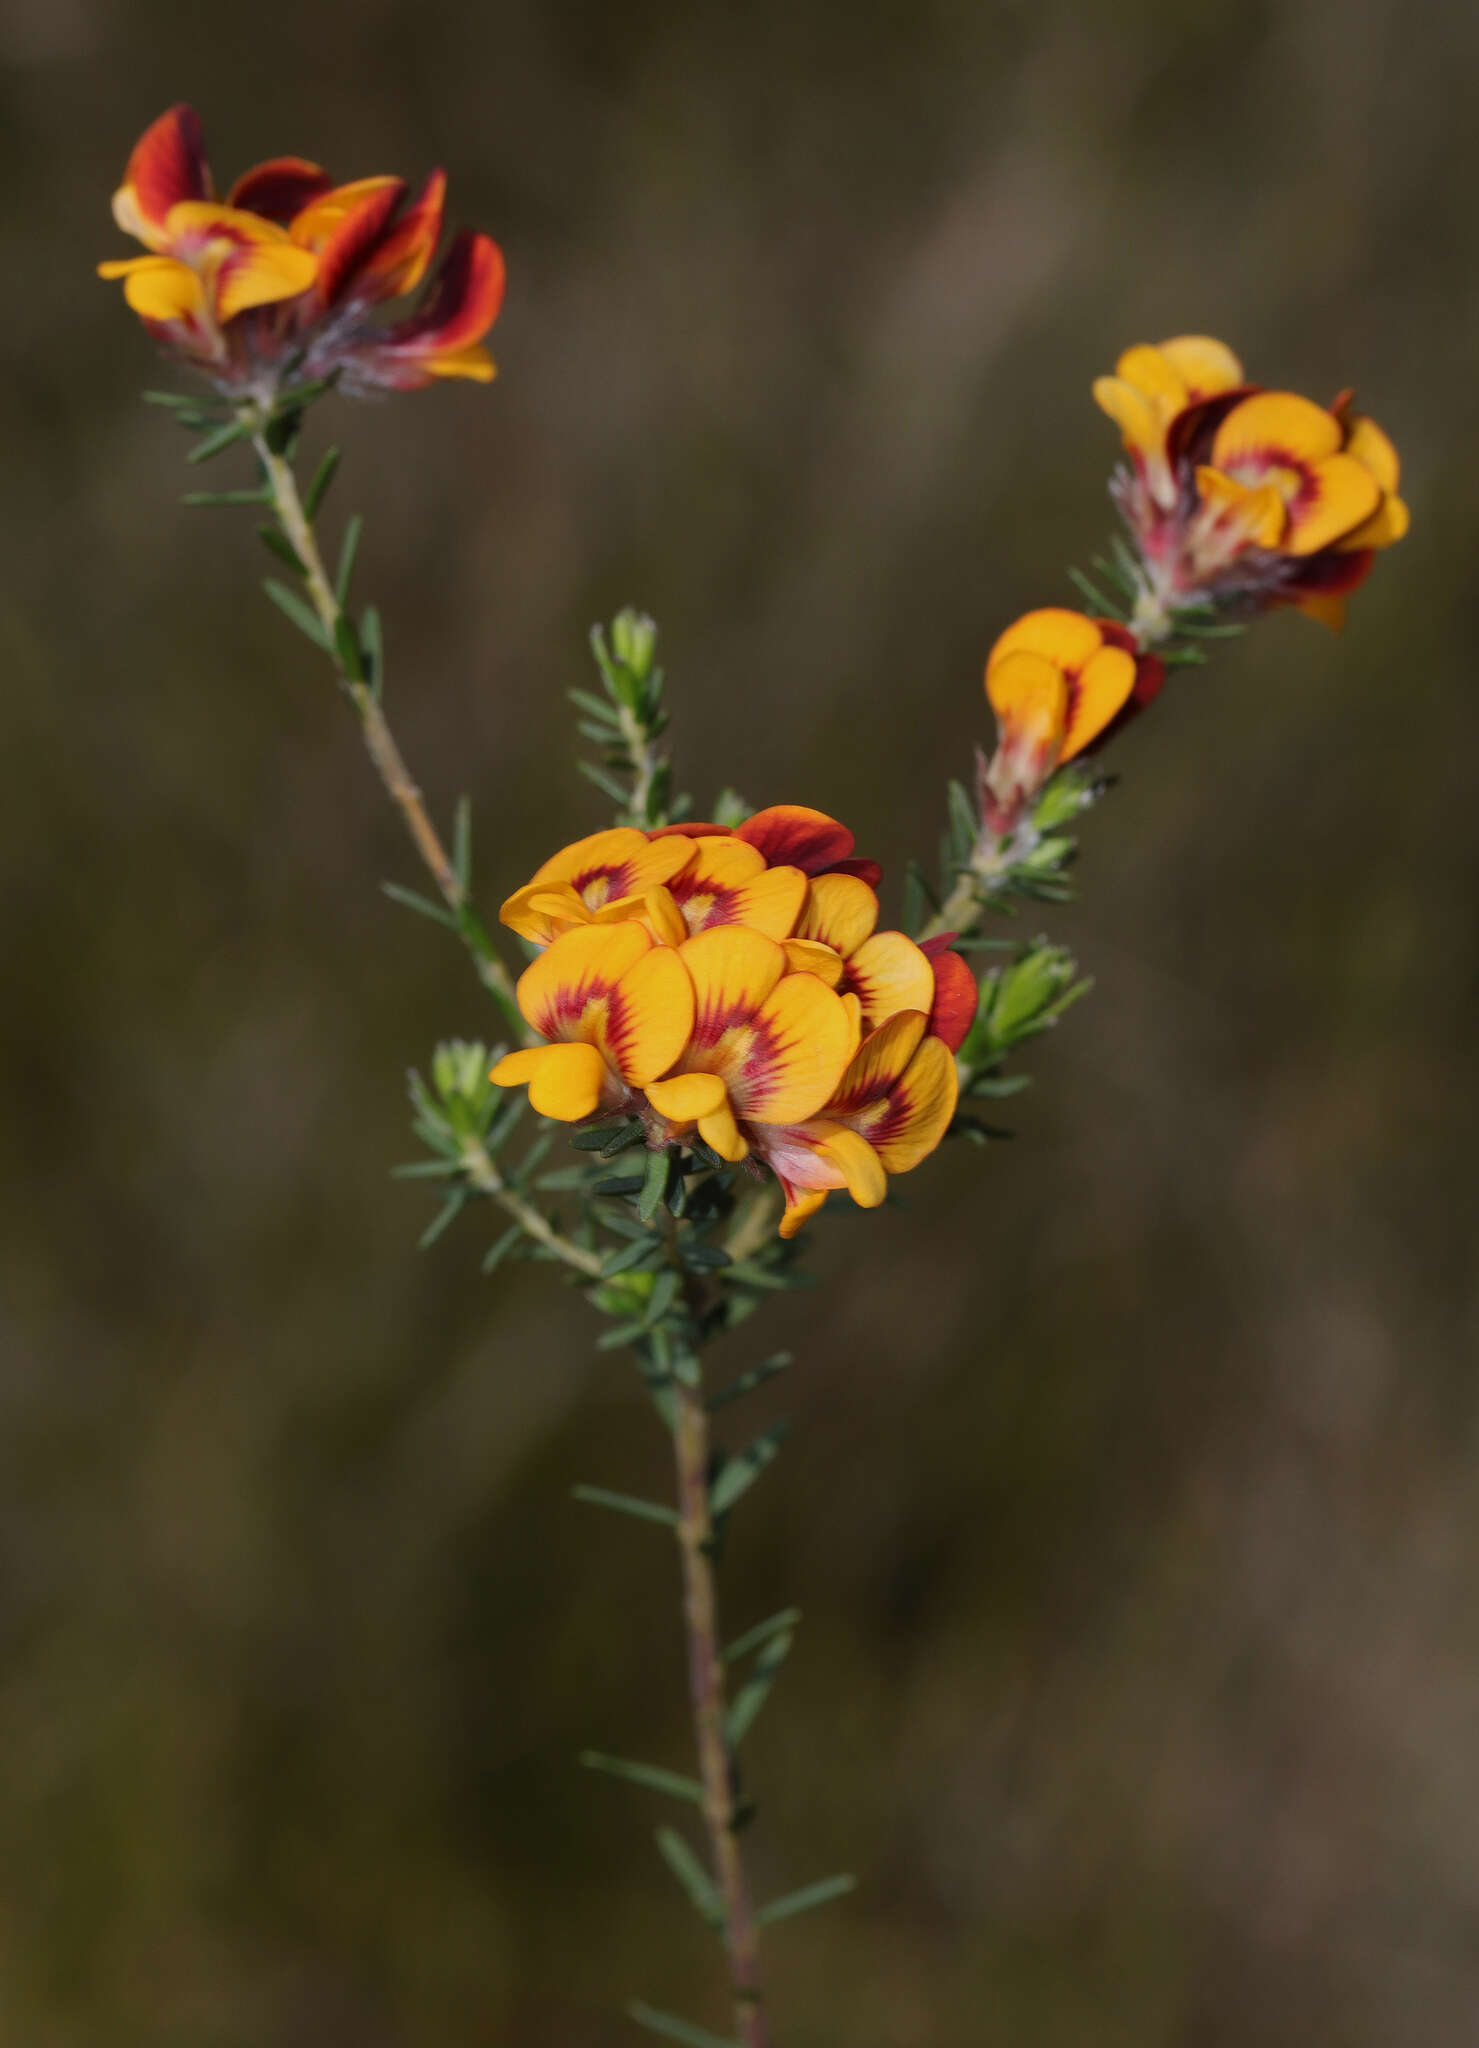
(634, 641)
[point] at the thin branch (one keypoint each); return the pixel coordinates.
(379, 739)
(483, 1174)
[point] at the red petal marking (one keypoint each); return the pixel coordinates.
(794, 835)
(404, 256)
(279, 188)
(463, 303)
(353, 242)
(956, 997)
(1150, 674)
(168, 163)
(1329, 571)
(867, 871)
(1190, 434)
(563, 1015)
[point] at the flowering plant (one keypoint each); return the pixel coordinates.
(714, 1012)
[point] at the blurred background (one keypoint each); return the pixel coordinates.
(1133, 1495)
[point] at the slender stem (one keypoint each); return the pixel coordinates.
(379, 740)
(707, 1692)
(477, 1164)
(646, 760)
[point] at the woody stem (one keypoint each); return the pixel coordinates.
(380, 742)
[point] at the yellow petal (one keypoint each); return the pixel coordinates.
(915, 1115)
(540, 911)
(683, 1097)
(262, 277)
(1065, 638)
(655, 908)
(733, 970)
(854, 1007)
(721, 1134)
(1133, 413)
(618, 862)
(1340, 495)
(772, 902)
(645, 1023)
(796, 1054)
(157, 287)
(889, 973)
(1388, 523)
(801, 1203)
(1258, 513)
(563, 994)
(809, 956)
(566, 1082)
(1273, 428)
(840, 912)
(1368, 444)
(880, 1062)
(1102, 689)
(1029, 695)
(857, 1162)
(721, 861)
(1206, 367)
(473, 362)
(1328, 607)
(313, 224)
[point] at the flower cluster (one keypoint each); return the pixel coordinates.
(1242, 497)
(286, 276)
(734, 987)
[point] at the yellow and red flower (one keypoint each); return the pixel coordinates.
(1059, 683)
(1245, 496)
(683, 879)
(287, 273)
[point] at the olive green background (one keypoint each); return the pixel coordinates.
(1133, 1500)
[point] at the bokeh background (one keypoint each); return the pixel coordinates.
(1133, 1502)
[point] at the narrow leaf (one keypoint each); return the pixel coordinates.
(630, 1255)
(226, 497)
(703, 1893)
(964, 825)
(745, 1707)
(302, 615)
(607, 784)
(625, 1504)
(348, 551)
(462, 841)
(347, 648)
(819, 1894)
(748, 1381)
(779, 1624)
(323, 476)
(372, 649)
(654, 1184)
(450, 1208)
(223, 437)
(651, 1776)
(499, 1250)
(676, 2030)
(422, 905)
(739, 1473)
(277, 543)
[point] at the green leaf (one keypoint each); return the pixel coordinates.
(739, 1472)
(499, 1250)
(702, 1892)
(625, 1504)
(1094, 595)
(372, 648)
(654, 1184)
(779, 1624)
(595, 708)
(258, 497)
(277, 543)
(706, 1258)
(450, 1208)
(818, 1894)
(173, 399)
(747, 1382)
(347, 648)
(965, 827)
(623, 1334)
(426, 1169)
(223, 437)
(631, 1255)
(422, 905)
(302, 615)
(323, 476)
(745, 1707)
(652, 1777)
(675, 2029)
(607, 784)
(664, 1291)
(348, 550)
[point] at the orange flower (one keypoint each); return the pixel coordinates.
(283, 278)
(1245, 497)
(1059, 683)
